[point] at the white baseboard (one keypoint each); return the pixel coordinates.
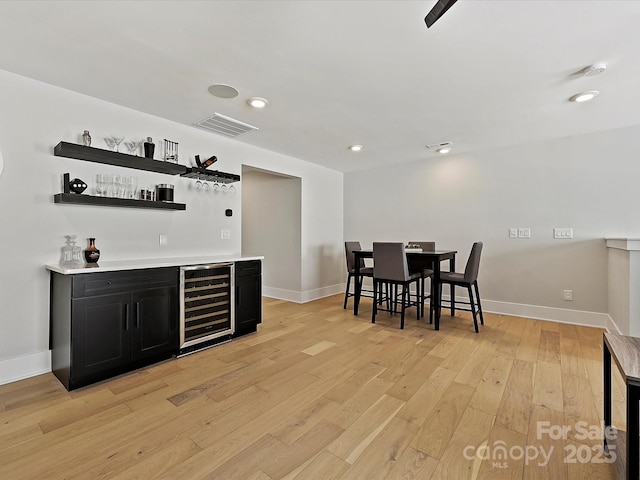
(612, 326)
(302, 297)
(562, 315)
(25, 366)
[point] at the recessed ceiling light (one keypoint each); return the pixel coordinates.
(257, 102)
(444, 150)
(584, 96)
(356, 148)
(223, 91)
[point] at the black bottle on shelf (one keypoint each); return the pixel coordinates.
(149, 147)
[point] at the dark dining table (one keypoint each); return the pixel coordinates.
(430, 259)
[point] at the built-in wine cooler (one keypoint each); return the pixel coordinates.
(206, 306)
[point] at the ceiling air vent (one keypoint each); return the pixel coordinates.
(436, 146)
(225, 125)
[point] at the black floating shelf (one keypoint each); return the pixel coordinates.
(108, 157)
(212, 175)
(80, 199)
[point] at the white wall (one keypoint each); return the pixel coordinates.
(34, 117)
(272, 226)
(322, 261)
(588, 183)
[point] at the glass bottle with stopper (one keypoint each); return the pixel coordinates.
(71, 253)
(86, 138)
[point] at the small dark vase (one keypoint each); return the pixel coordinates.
(92, 254)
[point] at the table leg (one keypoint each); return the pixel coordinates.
(606, 376)
(452, 289)
(358, 285)
(633, 443)
(437, 295)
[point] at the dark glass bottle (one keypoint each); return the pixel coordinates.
(149, 147)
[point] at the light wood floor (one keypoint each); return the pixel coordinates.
(320, 394)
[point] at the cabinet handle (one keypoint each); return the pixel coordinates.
(126, 316)
(238, 295)
(137, 314)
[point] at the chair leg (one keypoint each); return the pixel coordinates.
(404, 295)
(431, 300)
(473, 309)
(438, 307)
(430, 311)
(346, 292)
(374, 307)
(475, 285)
(452, 293)
(395, 298)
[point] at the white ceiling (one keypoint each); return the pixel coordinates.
(487, 74)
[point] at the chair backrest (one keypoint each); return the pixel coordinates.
(473, 264)
(390, 261)
(349, 247)
(425, 246)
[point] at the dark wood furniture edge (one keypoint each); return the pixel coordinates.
(108, 157)
(81, 199)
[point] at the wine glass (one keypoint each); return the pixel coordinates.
(117, 139)
(232, 189)
(110, 143)
(133, 146)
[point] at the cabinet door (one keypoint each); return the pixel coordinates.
(248, 303)
(155, 329)
(100, 336)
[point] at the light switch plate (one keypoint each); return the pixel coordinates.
(225, 234)
(164, 240)
(513, 233)
(524, 233)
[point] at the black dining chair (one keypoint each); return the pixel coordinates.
(390, 267)
(426, 273)
(349, 247)
(468, 280)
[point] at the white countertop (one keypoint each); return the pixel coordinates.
(116, 265)
(629, 244)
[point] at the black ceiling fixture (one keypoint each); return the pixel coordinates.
(437, 11)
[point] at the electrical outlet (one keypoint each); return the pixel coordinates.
(225, 234)
(164, 240)
(568, 294)
(513, 233)
(563, 233)
(524, 233)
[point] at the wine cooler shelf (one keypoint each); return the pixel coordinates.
(206, 299)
